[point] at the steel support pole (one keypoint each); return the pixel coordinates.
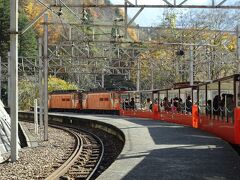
(191, 65)
(103, 79)
(14, 78)
(138, 75)
(238, 48)
(40, 83)
(70, 34)
(45, 78)
(9, 80)
(125, 19)
(35, 116)
(0, 78)
(152, 75)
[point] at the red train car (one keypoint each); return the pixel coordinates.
(65, 100)
(107, 102)
(101, 102)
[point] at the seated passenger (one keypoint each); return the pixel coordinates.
(216, 105)
(125, 104)
(209, 107)
(148, 105)
(166, 104)
(132, 104)
(189, 104)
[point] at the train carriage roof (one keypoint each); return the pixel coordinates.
(66, 91)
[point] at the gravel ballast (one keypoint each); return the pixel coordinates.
(38, 162)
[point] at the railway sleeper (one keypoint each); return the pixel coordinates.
(64, 178)
(92, 161)
(56, 165)
(79, 172)
(80, 177)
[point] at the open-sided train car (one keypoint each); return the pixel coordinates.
(212, 106)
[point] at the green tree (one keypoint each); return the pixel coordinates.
(27, 42)
(59, 84)
(4, 27)
(28, 91)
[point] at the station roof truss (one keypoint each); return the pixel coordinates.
(74, 54)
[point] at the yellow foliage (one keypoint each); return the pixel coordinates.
(59, 84)
(33, 9)
(132, 33)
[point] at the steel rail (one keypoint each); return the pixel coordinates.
(70, 161)
(101, 156)
(63, 169)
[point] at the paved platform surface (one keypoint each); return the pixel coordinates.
(29, 132)
(159, 150)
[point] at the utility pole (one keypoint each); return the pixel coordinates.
(14, 78)
(0, 78)
(45, 56)
(152, 74)
(138, 75)
(102, 78)
(40, 82)
(191, 66)
(9, 80)
(238, 48)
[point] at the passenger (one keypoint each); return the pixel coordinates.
(148, 105)
(166, 104)
(175, 105)
(181, 105)
(229, 105)
(189, 105)
(125, 104)
(209, 107)
(222, 106)
(132, 104)
(216, 105)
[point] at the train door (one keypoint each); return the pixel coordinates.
(84, 101)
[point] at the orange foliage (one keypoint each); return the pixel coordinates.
(121, 12)
(33, 9)
(132, 33)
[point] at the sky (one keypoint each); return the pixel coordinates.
(152, 16)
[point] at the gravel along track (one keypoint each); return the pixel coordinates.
(42, 161)
(37, 163)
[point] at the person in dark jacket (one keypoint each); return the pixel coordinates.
(132, 104)
(189, 104)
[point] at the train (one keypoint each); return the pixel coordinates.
(212, 106)
(105, 102)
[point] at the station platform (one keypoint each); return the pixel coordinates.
(160, 150)
(28, 130)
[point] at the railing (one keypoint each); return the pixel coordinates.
(227, 128)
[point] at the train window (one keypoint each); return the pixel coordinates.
(164, 103)
(63, 99)
(202, 99)
(213, 100)
(186, 100)
(238, 93)
(106, 99)
(227, 100)
(101, 99)
(145, 100)
(195, 96)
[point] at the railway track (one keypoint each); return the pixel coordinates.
(82, 161)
